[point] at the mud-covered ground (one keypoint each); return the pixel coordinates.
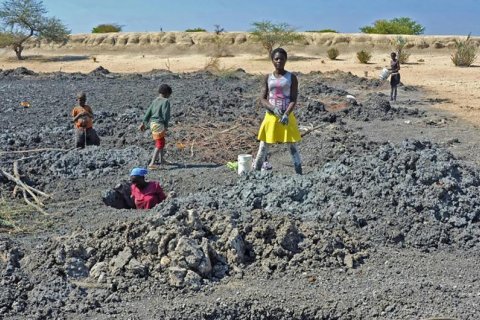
(384, 223)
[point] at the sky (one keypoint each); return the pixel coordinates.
(439, 17)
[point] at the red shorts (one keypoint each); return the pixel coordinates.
(160, 143)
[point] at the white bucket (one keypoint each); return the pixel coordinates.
(244, 163)
(384, 74)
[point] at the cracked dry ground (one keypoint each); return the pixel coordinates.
(384, 224)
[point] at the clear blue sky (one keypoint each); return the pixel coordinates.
(439, 17)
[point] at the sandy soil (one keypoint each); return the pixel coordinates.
(378, 227)
(456, 89)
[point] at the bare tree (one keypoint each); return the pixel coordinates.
(23, 19)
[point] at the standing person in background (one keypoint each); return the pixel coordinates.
(83, 120)
(394, 77)
(158, 115)
(279, 97)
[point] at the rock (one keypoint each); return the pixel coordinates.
(165, 262)
(289, 237)
(98, 269)
(236, 254)
(136, 268)
(189, 255)
(121, 260)
(76, 268)
(176, 276)
(192, 280)
(348, 261)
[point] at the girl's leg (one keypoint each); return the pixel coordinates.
(391, 92)
(297, 161)
(395, 93)
(162, 157)
(261, 155)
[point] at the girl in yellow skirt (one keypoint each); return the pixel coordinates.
(279, 97)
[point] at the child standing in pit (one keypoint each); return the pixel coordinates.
(158, 115)
(83, 119)
(145, 194)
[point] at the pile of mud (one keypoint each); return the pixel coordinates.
(188, 248)
(416, 194)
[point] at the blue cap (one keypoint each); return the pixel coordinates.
(141, 172)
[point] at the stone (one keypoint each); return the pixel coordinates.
(119, 262)
(76, 268)
(176, 276)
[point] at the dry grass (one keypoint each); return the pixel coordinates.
(214, 66)
(10, 212)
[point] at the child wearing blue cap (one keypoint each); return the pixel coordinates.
(145, 194)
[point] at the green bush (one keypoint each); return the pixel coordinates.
(399, 44)
(465, 52)
(364, 56)
(402, 25)
(333, 53)
(106, 28)
(323, 31)
(196, 30)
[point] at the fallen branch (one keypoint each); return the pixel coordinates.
(25, 189)
(36, 150)
(311, 130)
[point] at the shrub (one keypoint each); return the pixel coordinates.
(220, 46)
(272, 35)
(333, 53)
(402, 25)
(403, 57)
(399, 44)
(106, 28)
(196, 30)
(323, 31)
(364, 56)
(465, 52)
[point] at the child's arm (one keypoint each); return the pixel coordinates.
(166, 115)
(146, 118)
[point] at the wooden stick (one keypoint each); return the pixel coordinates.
(35, 150)
(33, 204)
(311, 130)
(22, 184)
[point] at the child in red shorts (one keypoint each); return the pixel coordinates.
(158, 116)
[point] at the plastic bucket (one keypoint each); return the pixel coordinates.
(244, 163)
(384, 74)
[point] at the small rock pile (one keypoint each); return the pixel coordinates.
(190, 248)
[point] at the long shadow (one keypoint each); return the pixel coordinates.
(56, 58)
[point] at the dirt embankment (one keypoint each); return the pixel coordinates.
(242, 41)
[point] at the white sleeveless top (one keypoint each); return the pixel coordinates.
(279, 90)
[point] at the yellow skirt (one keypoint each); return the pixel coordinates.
(273, 131)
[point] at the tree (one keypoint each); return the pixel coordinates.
(23, 19)
(106, 28)
(402, 25)
(272, 35)
(218, 29)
